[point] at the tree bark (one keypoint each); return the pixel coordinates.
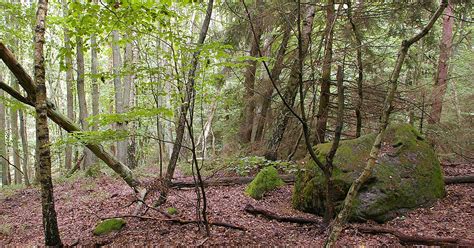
(17, 173)
(117, 63)
(341, 218)
(69, 83)
(275, 74)
(3, 150)
(50, 224)
(24, 145)
(249, 82)
(291, 89)
(441, 83)
(95, 85)
(323, 107)
(29, 86)
(81, 96)
(360, 68)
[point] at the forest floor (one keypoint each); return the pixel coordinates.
(82, 202)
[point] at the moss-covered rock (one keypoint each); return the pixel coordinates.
(407, 175)
(267, 179)
(172, 210)
(109, 225)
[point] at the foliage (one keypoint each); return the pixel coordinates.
(266, 180)
(108, 226)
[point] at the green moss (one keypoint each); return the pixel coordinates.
(267, 179)
(407, 175)
(109, 225)
(172, 211)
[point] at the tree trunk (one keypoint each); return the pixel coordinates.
(95, 85)
(249, 82)
(442, 74)
(275, 74)
(24, 145)
(360, 68)
(126, 101)
(14, 136)
(117, 63)
(50, 224)
(341, 218)
(81, 96)
(323, 107)
(290, 90)
(189, 95)
(69, 83)
(3, 150)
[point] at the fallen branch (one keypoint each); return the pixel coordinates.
(225, 181)
(459, 179)
(272, 216)
(415, 239)
(179, 221)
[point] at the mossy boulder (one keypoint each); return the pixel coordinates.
(266, 180)
(172, 210)
(108, 226)
(407, 175)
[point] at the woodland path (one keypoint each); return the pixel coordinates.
(80, 204)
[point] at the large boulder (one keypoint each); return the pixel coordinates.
(407, 175)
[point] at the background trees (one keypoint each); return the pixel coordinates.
(130, 75)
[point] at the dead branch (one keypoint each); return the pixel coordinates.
(179, 221)
(272, 216)
(459, 179)
(415, 239)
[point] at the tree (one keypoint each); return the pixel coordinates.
(441, 82)
(3, 152)
(323, 107)
(69, 83)
(291, 89)
(189, 95)
(81, 96)
(247, 124)
(50, 224)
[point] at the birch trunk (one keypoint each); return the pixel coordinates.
(50, 224)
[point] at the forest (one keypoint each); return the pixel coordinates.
(236, 123)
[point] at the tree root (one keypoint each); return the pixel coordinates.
(272, 216)
(415, 239)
